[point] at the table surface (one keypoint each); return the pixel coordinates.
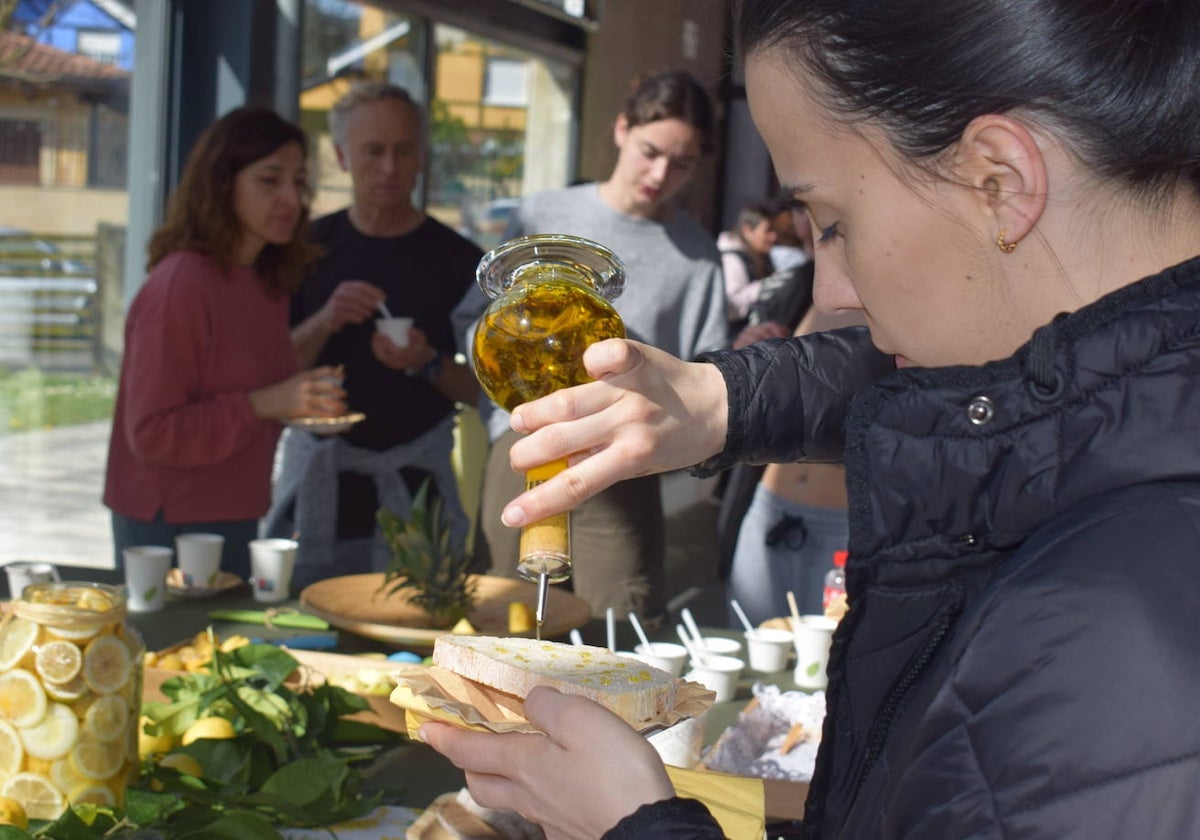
(414, 768)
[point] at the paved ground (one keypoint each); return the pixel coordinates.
(51, 482)
(50, 487)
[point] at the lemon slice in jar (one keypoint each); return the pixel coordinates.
(52, 736)
(106, 664)
(67, 692)
(95, 794)
(98, 760)
(42, 800)
(66, 775)
(16, 641)
(106, 718)
(22, 700)
(11, 751)
(58, 662)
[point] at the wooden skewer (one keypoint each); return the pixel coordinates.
(791, 599)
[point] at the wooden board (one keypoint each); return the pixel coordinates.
(356, 604)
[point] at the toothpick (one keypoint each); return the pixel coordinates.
(791, 599)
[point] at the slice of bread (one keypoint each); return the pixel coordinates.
(635, 691)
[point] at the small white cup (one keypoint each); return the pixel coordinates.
(812, 637)
(199, 558)
(146, 568)
(722, 646)
(666, 655)
(272, 562)
(769, 649)
(22, 574)
(718, 673)
(396, 329)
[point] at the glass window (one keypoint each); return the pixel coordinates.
(63, 142)
(504, 83)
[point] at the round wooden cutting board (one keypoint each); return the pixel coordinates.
(356, 603)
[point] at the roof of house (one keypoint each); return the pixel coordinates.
(23, 59)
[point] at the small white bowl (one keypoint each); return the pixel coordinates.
(719, 674)
(666, 655)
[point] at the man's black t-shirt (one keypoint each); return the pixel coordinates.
(425, 274)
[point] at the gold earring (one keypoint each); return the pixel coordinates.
(1005, 247)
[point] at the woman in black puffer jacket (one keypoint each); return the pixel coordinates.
(1009, 190)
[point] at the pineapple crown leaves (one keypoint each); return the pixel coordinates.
(425, 567)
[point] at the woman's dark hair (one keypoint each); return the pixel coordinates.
(1118, 80)
(671, 94)
(200, 215)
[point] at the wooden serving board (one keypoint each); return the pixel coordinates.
(356, 604)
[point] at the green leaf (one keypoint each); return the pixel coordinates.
(145, 807)
(307, 780)
(813, 669)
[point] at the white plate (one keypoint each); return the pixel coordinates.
(327, 425)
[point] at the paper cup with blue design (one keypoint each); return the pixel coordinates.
(272, 562)
(146, 568)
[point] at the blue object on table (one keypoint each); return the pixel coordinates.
(302, 642)
(405, 656)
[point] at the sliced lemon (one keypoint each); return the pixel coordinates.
(94, 600)
(58, 662)
(52, 736)
(107, 664)
(11, 751)
(81, 631)
(37, 794)
(22, 700)
(67, 692)
(66, 775)
(94, 793)
(98, 760)
(13, 813)
(106, 718)
(17, 639)
(37, 765)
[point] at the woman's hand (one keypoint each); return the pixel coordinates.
(310, 393)
(648, 413)
(588, 771)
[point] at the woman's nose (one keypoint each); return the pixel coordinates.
(832, 289)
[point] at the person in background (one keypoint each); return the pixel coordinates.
(382, 249)
(1008, 191)
(793, 237)
(209, 370)
(746, 260)
(793, 523)
(673, 299)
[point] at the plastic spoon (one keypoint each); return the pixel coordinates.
(791, 599)
(576, 638)
(641, 634)
(610, 623)
(690, 621)
(690, 646)
(383, 310)
(737, 608)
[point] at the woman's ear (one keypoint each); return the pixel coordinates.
(1003, 162)
(620, 130)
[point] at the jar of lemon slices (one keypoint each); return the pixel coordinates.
(70, 693)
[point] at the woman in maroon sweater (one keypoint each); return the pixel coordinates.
(209, 368)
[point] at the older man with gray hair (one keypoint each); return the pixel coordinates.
(382, 249)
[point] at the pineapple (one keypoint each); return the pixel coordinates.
(424, 568)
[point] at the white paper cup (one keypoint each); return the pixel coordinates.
(718, 673)
(396, 329)
(722, 645)
(812, 637)
(768, 649)
(22, 574)
(666, 655)
(146, 568)
(199, 558)
(272, 562)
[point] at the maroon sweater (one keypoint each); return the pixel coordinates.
(185, 439)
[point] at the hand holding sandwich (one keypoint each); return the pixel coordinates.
(588, 771)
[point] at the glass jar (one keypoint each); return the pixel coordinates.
(552, 298)
(70, 697)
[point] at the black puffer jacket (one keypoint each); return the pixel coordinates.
(1022, 652)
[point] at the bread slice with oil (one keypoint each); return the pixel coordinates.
(633, 690)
